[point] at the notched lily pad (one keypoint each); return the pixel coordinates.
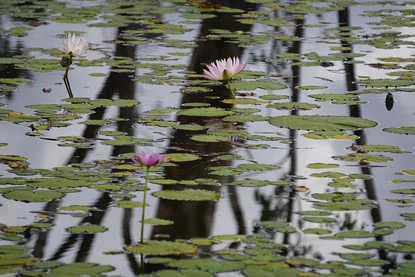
(87, 229)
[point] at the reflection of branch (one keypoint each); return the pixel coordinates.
(355, 111)
(236, 208)
(195, 219)
(295, 96)
(42, 237)
(87, 240)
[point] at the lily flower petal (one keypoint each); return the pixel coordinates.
(215, 70)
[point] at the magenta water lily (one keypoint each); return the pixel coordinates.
(148, 159)
(224, 70)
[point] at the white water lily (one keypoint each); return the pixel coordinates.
(74, 45)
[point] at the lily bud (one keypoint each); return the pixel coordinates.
(226, 75)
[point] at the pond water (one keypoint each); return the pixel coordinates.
(309, 171)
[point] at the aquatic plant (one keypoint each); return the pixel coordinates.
(148, 160)
(74, 46)
(224, 70)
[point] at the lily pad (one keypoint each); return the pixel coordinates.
(205, 112)
(33, 196)
(86, 229)
(188, 195)
(162, 248)
(322, 122)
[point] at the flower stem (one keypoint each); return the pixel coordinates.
(69, 64)
(230, 88)
(144, 206)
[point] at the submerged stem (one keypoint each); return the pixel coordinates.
(230, 88)
(144, 206)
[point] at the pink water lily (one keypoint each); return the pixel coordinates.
(74, 45)
(148, 159)
(223, 70)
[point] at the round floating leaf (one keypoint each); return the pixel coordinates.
(381, 148)
(208, 265)
(401, 130)
(206, 112)
(246, 118)
(334, 97)
(162, 248)
(54, 183)
(188, 195)
(210, 138)
(330, 135)
(157, 221)
(245, 101)
(14, 81)
(355, 234)
(282, 227)
(357, 157)
(86, 229)
(316, 231)
(328, 174)
(391, 225)
(322, 122)
(322, 165)
(30, 196)
(380, 245)
(344, 206)
(181, 157)
(404, 191)
(320, 219)
(128, 204)
(79, 269)
(293, 106)
(76, 208)
(314, 213)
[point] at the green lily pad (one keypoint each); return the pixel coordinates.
(33, 196)
(86, 229)
(188, 195)
(128, 204)
(322, 122)
(401, 130)
(357, 157)
(283, 227)
(181, 157)
(352, 205)
(330, 135)
(157, 221)
(162, 248)
(320, 219)
(208, 265)
(77, 269)
(205, 112)
(316, 231)
(391, 225)
(293, 106)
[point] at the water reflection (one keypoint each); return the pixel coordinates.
(196, 219)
